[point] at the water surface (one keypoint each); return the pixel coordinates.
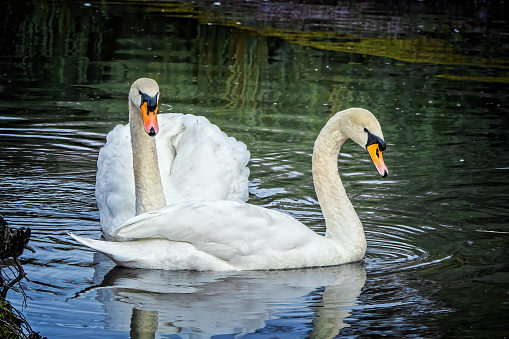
(269, 74)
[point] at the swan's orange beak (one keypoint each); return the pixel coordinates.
(150, 119)
(378, 160)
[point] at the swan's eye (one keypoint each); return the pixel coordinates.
(373, 139)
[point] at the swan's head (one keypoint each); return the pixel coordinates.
(144, 94)
(363, 128)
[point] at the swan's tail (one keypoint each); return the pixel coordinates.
(126, 254)
(156, 254)
(98, 245)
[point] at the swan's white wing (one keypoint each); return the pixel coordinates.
(196, 160)
(114, 189)
(238, 233)
(199, 162)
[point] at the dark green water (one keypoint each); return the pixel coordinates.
(270, 74)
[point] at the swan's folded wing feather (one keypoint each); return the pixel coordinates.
(224, 229)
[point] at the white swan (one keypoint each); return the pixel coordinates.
(228, 235)
(194, 160)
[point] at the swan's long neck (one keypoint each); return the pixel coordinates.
(341, 220)
(147, 178)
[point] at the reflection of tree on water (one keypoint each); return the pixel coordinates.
(202, 304)
(68, 44)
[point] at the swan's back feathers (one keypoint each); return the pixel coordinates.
(196, 161)
(243, 235)
(219, 235)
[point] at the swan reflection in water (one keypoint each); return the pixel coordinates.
(203, 304)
